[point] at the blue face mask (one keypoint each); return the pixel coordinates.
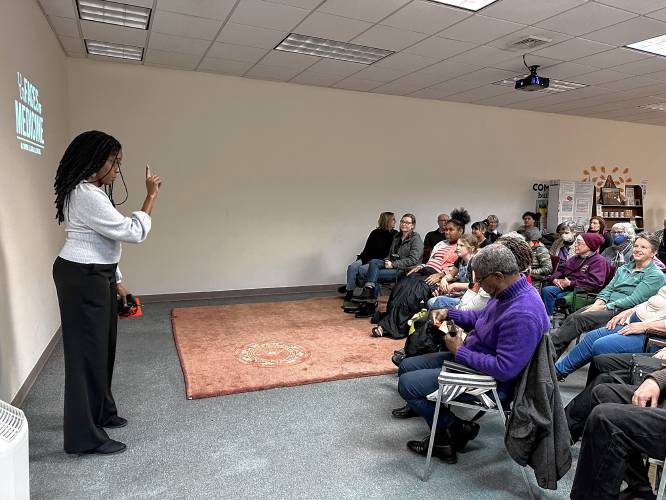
(618, 239)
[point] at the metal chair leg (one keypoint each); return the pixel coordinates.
(433, 431)
(662, 484)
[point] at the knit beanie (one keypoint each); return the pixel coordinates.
(592, 240)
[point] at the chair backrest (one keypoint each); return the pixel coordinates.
(610, 273)
(554, 260)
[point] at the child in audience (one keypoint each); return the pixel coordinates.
(455, 282)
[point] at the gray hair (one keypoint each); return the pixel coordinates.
(651, 239)
(628, 229)
(512, 235)
(494, 259)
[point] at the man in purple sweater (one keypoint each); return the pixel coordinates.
(501, 340)
(586, 270)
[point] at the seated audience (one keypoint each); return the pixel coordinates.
(562, 246)
(585, 270)
(479, 230)
(661, 254)
(627, 423)
(501, 340)
(624, 333)
(619, 253)
(530, 220)
(377, 246)
(632, 284)
(459, 278)
(434, 237)
(405, 252)
(598, 226)
(403, 303)
(541, 264)
(492, 222)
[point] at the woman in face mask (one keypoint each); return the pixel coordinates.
(562, 246)
(619, 253)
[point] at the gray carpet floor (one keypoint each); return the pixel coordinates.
(329, 440)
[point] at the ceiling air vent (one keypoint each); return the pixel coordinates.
(528, 43)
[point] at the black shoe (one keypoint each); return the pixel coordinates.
(110, 447)
(397, 358)
(404, 412)
(462, 431)
(349, 307)
(629, 494)
(441, 449)
(366, 310)
(368, 294)
(115, 422)
(348, 295)
(342, 289)
(377, 317)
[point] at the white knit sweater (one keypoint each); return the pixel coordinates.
(94, 228)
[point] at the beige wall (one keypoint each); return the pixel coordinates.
(29, 237)
(270, 184)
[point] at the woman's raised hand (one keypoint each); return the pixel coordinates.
(153, 182)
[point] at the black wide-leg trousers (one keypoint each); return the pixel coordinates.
(89, 316)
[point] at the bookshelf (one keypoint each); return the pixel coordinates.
(629, 208)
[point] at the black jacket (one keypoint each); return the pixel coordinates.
(377, 245)
(537, 433)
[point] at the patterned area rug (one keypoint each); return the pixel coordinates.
(251, 347)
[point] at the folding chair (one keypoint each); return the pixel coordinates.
(653, 338)
(455, 380)
(660, 477)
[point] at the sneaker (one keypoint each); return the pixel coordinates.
(350, 307)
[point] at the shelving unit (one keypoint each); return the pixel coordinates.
(632, 213)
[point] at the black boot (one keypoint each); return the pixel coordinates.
(462, 431)
(366, 310)
(348, 295)
(442, 447)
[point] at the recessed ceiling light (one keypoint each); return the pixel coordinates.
(321, 47)
(659, 106)
(473, 5)
(107, 49)
(656, 45)
(554, 87)
(119, 14)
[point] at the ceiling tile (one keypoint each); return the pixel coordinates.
(529, 11)
(517, 65)
(450, 69)
(480, 29)
(337, 68)
(171, 59)
(267, 15)
(224, 66)
(659, 75)
(115, 34)
(631, 31)
(588, 17)
(600, 76)
(642, 67)
(376, 73)
(508, 98)
(573, 49)
(565, 70)
(72, 45)
(507, 42)
(659, 14)
(405, 62)
(358, 84)
(189, 26)
(484, 92)
(410, 83)
(439, 48)
(425, 17)
(386, 37)
(313, 78)
(181, 44)
(483, 56)
(613, 57)
(637, 6)
(60, 8)
(288, 60)
(233, 52)
(278, 73)
(464, 83)
(331, 27)
(367, 10)
(303, 4)
(628, 83)
(251, 36)
(212, 9)
(64, 26)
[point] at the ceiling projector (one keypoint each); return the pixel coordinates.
(533, 81)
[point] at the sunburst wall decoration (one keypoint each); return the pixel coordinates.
(598, 175)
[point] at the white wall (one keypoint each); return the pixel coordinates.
(29, 236)
(270, 184)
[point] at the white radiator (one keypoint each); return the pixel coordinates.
(14, 475)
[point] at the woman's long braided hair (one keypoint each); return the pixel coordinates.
(85, 155)
(519, 248)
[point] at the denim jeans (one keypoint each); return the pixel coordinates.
(600, 341)
(376, 273)
(550, 294)
(443, 301)
(418, 378)
(353, 271)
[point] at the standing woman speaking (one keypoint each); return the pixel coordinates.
(85, 278)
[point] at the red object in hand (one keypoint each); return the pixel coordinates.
(132, 309)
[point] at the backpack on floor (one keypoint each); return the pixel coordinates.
(425, 339)
(407, 297)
